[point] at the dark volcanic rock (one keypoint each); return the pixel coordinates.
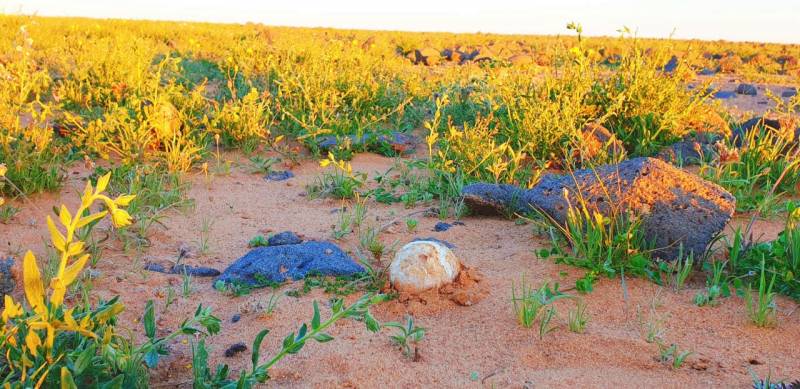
(692, 150)
(442, 226)
(707, 72)
(781, 126)
(724, 95)
(7, 281)
(284, 238)
(789, 92)
(295, 261)
(493, 199)
(746, 89)
(155, 267)
(234, 349)
(279, 175)
(671, 65)
(194, 271)
(675, 207)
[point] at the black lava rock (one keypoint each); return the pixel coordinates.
(294, 261)
(279, 175)
(155, 267)
(195, 271)
(671, 65)
(442, 226)
(7, 281)
(676, 208)
(747, 90)
(284, 238)
(234, 349)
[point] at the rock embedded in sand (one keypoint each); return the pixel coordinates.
(279, 175)
(747, 90)
(676, 208)
(284, 238)
(784, 126)
(692, 150)
(423, 265)
(293, 261)
(7, 279)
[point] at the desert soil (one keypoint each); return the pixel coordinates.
(465, 346)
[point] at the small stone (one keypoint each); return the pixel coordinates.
(279, 175)
(195, 271)
(422, 265)
(236, 318)
(7, 281)
(442, 226)
(284, 238)
(155, 267)
(724, 95)
(671, 65)
(790, 92)
(234, 349)
(747, 90)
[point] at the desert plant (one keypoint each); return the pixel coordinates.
(717, 285)
(406, 335)
(292, 344)
(531, 304)
(578, 318)
(673, 355)
(258, 241)
(341, 183)
(762, 309)
(605, 245)
(51, 342)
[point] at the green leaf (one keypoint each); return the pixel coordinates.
(323, 337)
(66, 379)
(257, 346)
(315, 320)
(288, 341)
(302, 332)
(372, 324)
(149, 320)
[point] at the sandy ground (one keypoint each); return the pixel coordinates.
(476, 346)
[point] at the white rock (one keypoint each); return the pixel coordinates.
(422, 265)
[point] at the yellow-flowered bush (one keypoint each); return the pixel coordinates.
(51, 343)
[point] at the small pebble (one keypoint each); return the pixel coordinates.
(281, 175)
(234, 349)
(441, 226)
(236, 318)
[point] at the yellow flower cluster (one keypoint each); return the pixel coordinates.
(43, 321)
(343, 166)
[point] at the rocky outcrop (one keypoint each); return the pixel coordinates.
(676, 208)
(290, 262)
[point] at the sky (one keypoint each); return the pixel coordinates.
(736, 20)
